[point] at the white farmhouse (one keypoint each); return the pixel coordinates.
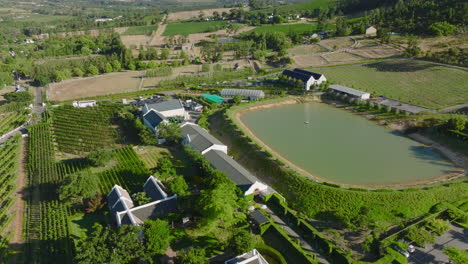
(371, 30)
(199, 139)
(308, 78)
(169, 108)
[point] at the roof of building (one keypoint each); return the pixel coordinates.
(155, 209)
(243, 92)
(313, 74)
(259, 217)
(154, 189)
(119, 198)
(251, 257)
(213, 98)
(166, 105)
(238, 174)
(154, 118)
(347, 90)
(200, 139)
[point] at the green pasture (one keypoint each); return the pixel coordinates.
(186, 28)
(300, 7)
(420, 83)
(140, 30)
(299, 28)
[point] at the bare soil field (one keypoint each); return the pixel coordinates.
(377, 52)
(305, 49)
(185, 15)
(308, 60)
(435, 43)
(341, 57)
(119, 82)
(135, 40)
(337, 43)
(93, 32)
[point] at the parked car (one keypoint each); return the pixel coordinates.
(401, 251)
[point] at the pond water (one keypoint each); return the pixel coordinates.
(342, 147)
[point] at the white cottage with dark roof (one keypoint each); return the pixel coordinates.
(169, 108)
(125, 212)
(199, 139)
(308, 78)
(251, 257)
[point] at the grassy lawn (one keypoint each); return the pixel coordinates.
(140, 30)
(82, 224)
(421, 83)
(193, 27)
(151, 154)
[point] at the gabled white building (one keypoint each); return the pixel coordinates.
(308, 78)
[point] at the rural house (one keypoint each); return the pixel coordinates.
(371, 30)
(216, 153)
(166, 108)
(245, 93)
(82, 104)
(308, 78)
(350, 92)
(124, 211)
(251, 257)
(199, 139)
(187, 46)
(153, 118)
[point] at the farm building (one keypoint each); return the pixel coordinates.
(245, 93)
(251, 257)
(81, 104)
(125, 212)
(153, 118)
(371, 30)
(212, 98)
(187, 46)
(199, 139)
(308, 78)
(166, 108)
(216, 153)
(244, 180)
(350, 91)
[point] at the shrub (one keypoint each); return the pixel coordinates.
(100, 157)
(420, 236)
(18, 97)
(439, 226)
(457, 256)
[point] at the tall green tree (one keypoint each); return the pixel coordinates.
(192, 256)
(157, 236)
(78, 186)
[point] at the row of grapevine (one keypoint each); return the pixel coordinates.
(130, 172)
(13, 106)
(78, 130)
(11, 120)
(9, 155)
(47, 226)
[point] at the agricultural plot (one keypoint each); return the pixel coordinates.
(151, 154)
(300, 7)
(298, 28)
(140, 30)
(193, 27)
(421, 83)
(185, 15)
(11, 120)
(8, 172)
(78, 130)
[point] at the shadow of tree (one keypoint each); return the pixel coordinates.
(400, 66)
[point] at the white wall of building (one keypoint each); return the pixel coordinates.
(256, 186)
(222, 148)
(175, 112)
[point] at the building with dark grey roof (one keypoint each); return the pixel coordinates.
(166, 108)
(199, 139)
(308, 78)
(350, 91)
(152, 119)
(259, 218)
(244, 180)
(251, 257)
(245, 93)
(125, 213)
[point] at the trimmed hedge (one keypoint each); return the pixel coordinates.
(272, 253)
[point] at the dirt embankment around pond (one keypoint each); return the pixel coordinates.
(456, 158)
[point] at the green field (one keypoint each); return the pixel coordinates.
(285, 28)
(421, 83)
(299, 7)
(140, 30)
(193, 27)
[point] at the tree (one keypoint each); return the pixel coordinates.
(42, 80)
(86, 51)
(241, 242)
(457, 123)
(237, 99)
(116, 65)
(169, 131)
(157, 236)
(457, 256)
(92, 70)
(219, 204)
(442, 28)
(164, 54)
(100, 157)
(18, 97)
(412, 50)
(78, 72)
(178, 185)
(6, 78)
(78, 186)
(108, 68)
(141, 198)
(192, 256)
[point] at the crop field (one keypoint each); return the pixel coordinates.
(299, 28)
(11, 120)
(338, 57)
(8, 173)
(78, 130)
(185, 15)
(415, 82)
(193, 27)
(119, 82)
(299, 7)
(140, 30)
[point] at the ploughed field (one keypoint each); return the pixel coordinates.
(421, 83)
(340, 147)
